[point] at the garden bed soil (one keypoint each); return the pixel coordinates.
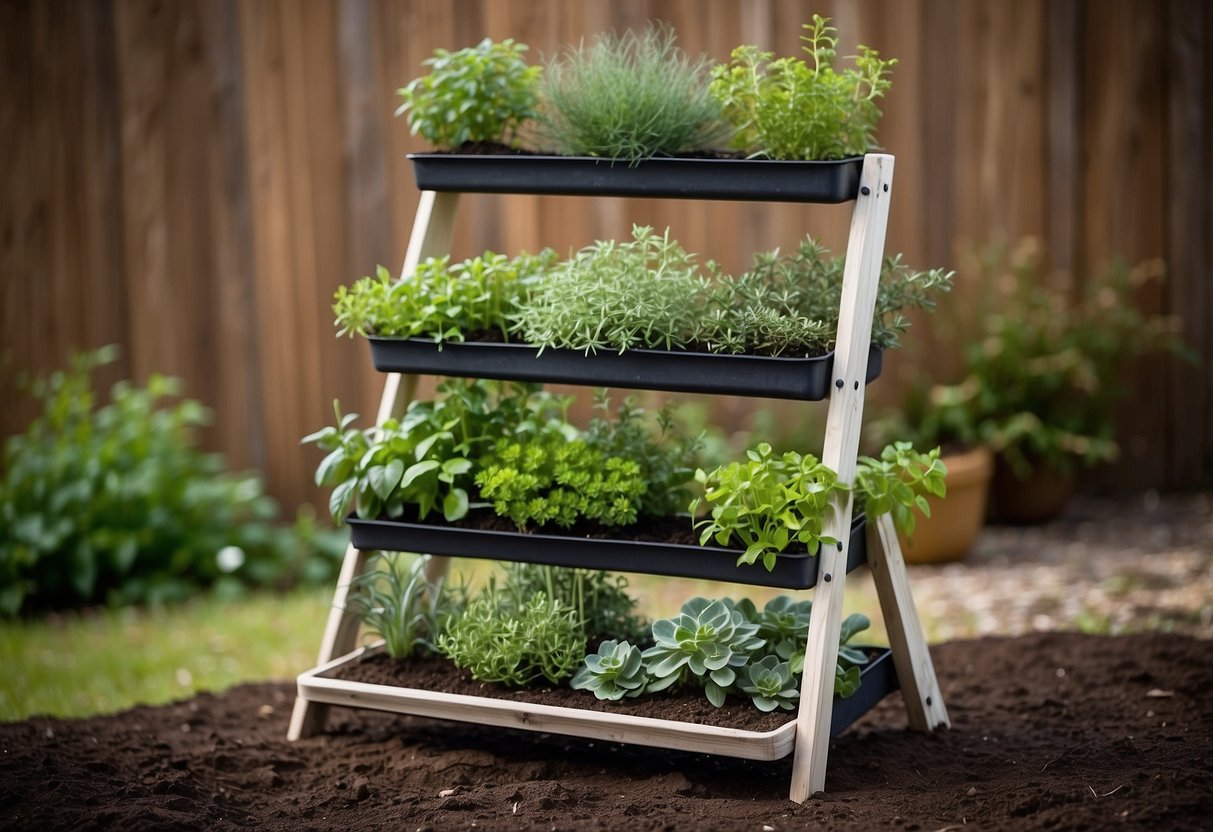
(1050, 731)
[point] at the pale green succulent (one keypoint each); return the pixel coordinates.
(707, 641)
(771, 685)
(615, 671)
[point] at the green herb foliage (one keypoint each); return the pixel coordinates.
(600, 599)
(548, 479)
(649, 293)
(480, 93)
(396, 602)
(766, 503)
(515, 645)
(786, 108)
(438, 300)
(116, 503)
(899, 482)
(629, 97)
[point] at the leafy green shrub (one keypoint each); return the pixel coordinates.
(116, 503)
(515, 645)
(630, 97)
(396, 602)
(480, 93)
(438, 300)
(786, 109)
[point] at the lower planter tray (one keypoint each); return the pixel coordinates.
(805, 379)
(759, 180)
(713, 563)
(877, 680)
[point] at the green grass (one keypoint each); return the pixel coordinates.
(100, 661)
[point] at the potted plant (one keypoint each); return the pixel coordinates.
(1042, 375)
(639, 100)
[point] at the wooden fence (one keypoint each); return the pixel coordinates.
(191, 179)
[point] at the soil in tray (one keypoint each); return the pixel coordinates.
(498, 149)
(439, 674)
(676, 530)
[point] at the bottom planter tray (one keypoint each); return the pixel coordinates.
(878, 679)
(792, 570)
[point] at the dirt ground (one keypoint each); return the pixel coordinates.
(1050, 731)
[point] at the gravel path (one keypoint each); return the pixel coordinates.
(1109, 565)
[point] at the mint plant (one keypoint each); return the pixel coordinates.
(785, 108)
(767, 503)
(396, 602)
(481, 93)
(515, 646)
(615, 671)
(629, 97)
(706, 644)
(441, 301)
(899, 481)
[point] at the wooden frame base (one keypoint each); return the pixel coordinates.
(812, 729)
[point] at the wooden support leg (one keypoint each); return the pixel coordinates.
(915, 672)
(817, 685)
(432, 229)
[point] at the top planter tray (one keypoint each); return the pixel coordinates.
(805, 379)
(759, 180)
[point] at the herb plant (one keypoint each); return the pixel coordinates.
(600, 599)
(548, 479)
(629, 97)
(481, 93)
(396, 602)
(615, 671)
(440, 301)
(767, 503)
(899, 481)
(113, 501)
(498, 642)
(785, 108)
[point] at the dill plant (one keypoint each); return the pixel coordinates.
(631, 97)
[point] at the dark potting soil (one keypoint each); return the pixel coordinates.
(439, 674)
(646, 528)
(1049, 731)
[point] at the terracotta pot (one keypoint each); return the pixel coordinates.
(1039, 498)
(956, 520)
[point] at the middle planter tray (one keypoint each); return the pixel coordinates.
(804, 379)
(792, 570)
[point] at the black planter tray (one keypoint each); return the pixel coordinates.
(805, 379)
(792, 570)
(878, 678)
(760, 180)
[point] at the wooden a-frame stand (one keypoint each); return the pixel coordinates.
(925, 709)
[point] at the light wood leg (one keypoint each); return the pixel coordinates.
(915, 671)
(433, 227)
